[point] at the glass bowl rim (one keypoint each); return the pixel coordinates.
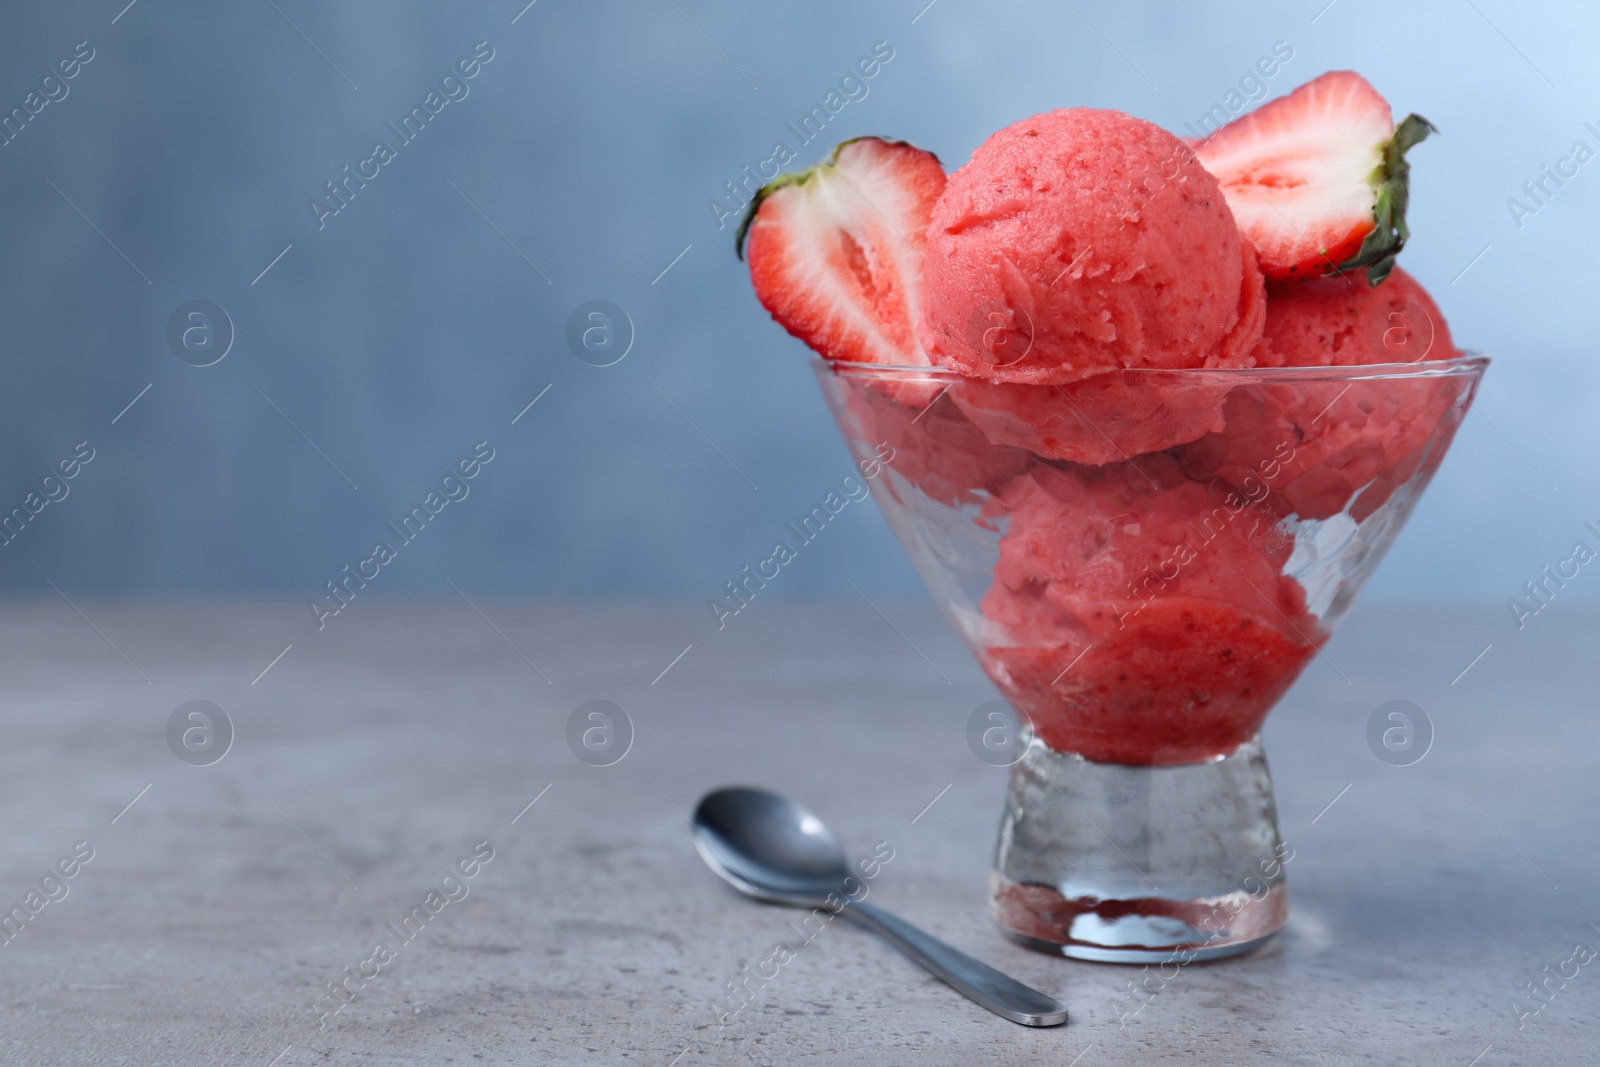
(1469, 364)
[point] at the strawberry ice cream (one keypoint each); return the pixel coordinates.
(1349, 437)
(1142, 617)
(936, 448)
(1343, 321)
(1096, 420)
(1129, 442)
(1083, 241)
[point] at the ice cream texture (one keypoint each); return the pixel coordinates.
(1082, 241)
(1349, 442)
(1140, 616)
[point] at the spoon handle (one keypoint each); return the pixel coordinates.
(1003, 995)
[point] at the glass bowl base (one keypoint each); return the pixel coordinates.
(1153, 934)
(1140, 864)
(1132, 955)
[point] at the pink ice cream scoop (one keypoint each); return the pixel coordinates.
(1342, 321)
(1323, 446)
(1127, 600)
(1082, 241)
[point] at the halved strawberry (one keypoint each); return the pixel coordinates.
(836, 251)
(1317, 179)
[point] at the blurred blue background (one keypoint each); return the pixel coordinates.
(432, 308)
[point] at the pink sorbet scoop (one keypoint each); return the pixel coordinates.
(1083, 241)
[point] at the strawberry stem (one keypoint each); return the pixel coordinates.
(1392, 181)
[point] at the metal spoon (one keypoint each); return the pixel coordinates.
(772, 849)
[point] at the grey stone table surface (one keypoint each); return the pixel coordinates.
(222, 901)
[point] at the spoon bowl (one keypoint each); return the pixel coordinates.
(769, 847)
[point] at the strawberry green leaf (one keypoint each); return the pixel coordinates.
(1392, 181)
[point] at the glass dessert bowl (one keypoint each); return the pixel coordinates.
(1143, 562)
